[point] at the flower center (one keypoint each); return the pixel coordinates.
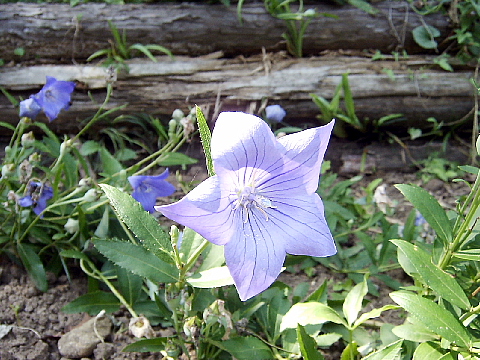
(249, 199)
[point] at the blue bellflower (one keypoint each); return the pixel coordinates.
(54, 97)
(146, 189)
(262, 202)
(37, 196)
(275, 113)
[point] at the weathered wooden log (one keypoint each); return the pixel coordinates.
(417, 90)
(59, 32)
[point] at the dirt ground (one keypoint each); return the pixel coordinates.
(38, 322)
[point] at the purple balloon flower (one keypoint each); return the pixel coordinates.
(37, 196)
(54, 97)
(146, 189)
(29, 108)
(275, 113)
(262, 202)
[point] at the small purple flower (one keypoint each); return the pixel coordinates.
(37, 196)
(29, 108)
(275, 113)
(262, 202)
(146, 189)
(54, 97)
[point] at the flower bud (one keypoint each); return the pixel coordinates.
(72, 226)
(85, 183)
(90, 196)
(178, 115)
(28, 139)
(8, 170)
(172, 127)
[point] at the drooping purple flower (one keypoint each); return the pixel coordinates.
(261, 204)
(275, 113)
(37, 196)
(55, 97)
(29, 108)
(146, 189)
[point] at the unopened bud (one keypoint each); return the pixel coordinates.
(90, 196)
(72, 226)
(28, 139)
(178, 115)
(8, 170)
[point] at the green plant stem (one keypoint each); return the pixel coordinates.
(193, 258)
(97, 114)
(98, 275)
(462, 231)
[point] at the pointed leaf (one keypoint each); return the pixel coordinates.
(353, 302)
(437, 279)
(174, 158)
(211, 278)
(92, 303)
(129, 284)
(206, 137)
(433, 316)
(245, 348)
(414, 332)
(430, 209)
(389, 352)
(310, 313)
(110, 165)
(373, 314)
(428, 351)
(147, 345)
(142, 224)
(138, 260)
(33, 265)
(308, 346)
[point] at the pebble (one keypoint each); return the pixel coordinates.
(81, 341)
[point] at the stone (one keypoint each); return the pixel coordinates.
(82, 340)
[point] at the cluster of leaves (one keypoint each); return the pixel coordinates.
(120, 51)
(464, 43)
(76, 211)
(332, 110)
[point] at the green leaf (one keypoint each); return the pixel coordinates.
(433, 316)
(212, 257)
(74, 254)
(141, 223)
(469, 254)
(373, 314)
(414, 331)
(33, 265)
(389, 352)
(191, 241)
(425, 36)
(350, 352)
(92, 303)
(129, 284)
(430, 209)
(138, 260)
(428, 351)
(171, 159)
(310, 313)
(245, 348)
(89, 147)
(206, 137)
(308, 346)
(110, 165)
(211, 278)
(444, 284)
(147, 345)
(353, 301)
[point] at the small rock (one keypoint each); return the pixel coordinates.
(104, 351)
(82, 340)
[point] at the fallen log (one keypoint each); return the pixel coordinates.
(61, 33)
(411, 87)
